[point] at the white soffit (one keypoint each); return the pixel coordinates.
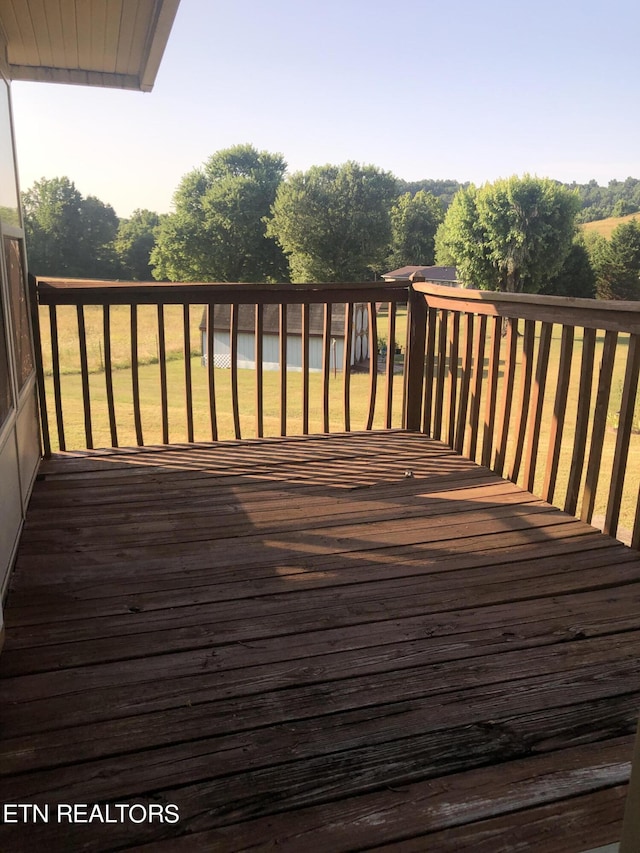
(115, 43)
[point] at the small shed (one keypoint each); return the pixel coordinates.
(439, 275)
(360, 346)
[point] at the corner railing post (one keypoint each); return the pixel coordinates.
(414, 358)
(37, 344)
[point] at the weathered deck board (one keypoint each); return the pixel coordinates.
(343, 642)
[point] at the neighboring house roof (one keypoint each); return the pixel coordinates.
(271, 319)
(87, 42)
(446, 275)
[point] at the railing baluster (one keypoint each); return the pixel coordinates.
(440, 374)
(600, 416)
(188, 387)
(506, 398)
(429, 371)
(162, 360)
(346, 364)
(373, 362)
(625, 424)
(326, 364)
(84, 373)
(525, 392)
(108, 374)
(492, 392)
(463, 405)
(559, 412)
(235, 310)
(55, 368)
(211, 365)
(453, 376)
(282, 347)
(536, 403)
(305, 369)
(471, 437)
(582, 420)
(391, 353)
(135, 380)
(259, 360)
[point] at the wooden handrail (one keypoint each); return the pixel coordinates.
(508, 401)
(295, 302)
(60, 291)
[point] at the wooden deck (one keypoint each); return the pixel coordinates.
(334, 643)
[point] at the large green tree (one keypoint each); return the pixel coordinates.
(414, 222)
(67, 234)
(616, 261)
(333, 222)
(512, 235)
(134, 243)
(217, 232)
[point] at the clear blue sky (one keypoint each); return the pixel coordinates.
(457, 89)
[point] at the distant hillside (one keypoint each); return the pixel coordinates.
(606, 226)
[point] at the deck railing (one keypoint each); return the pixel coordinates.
(541, 390)
(294, 304)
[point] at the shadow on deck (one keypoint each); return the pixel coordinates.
(331, 643)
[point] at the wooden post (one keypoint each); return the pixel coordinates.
(414, 358)
(37, 345)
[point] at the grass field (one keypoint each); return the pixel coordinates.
(149, 373)
(607, 226)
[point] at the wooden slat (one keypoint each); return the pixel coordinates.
(233, 347)
(188, 387)
(211, 373)
(582, 421)
(282, 349)
(108, 374)
(346, 365)
(37, 343)
(600, 416)
(625, 424)
(135, 380)
(492, 392)
(467, 364)
(390, 364)
(84, 374)
(471, 436)
(452, 374)
(506, 398)
(526, 375)
(162, 361)
(326, 364)
(440, 374)
(559, 411)
(55, 366)
(429, 371)
(259, 361)
(373, 362)
(305, 369)
(536, 404)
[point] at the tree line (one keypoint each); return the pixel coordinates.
(240, 217)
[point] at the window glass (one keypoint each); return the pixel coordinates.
(9, 209)
(19, 309)
(5, 381)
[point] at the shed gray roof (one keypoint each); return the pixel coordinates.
(446, 275)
